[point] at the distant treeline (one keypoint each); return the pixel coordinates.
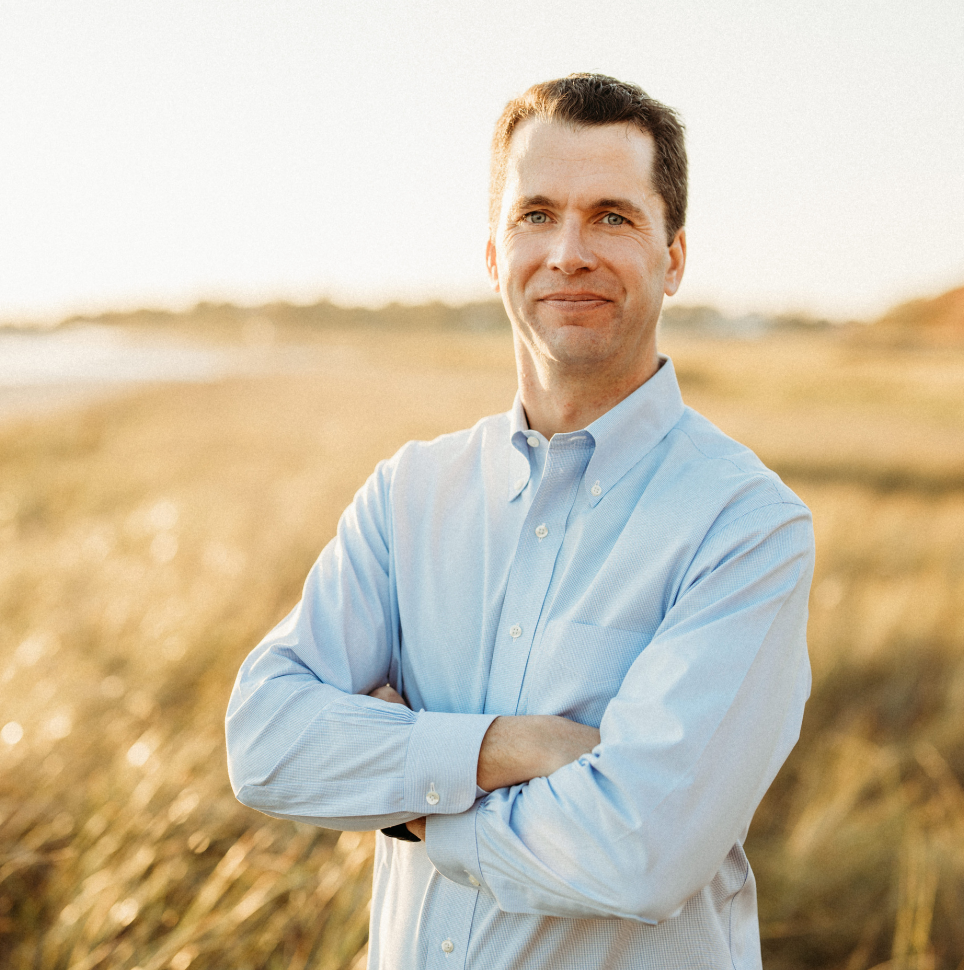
(935, 320)
(481, 315)
(708, 321)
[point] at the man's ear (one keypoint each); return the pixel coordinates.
(677, 263)
(491, 264)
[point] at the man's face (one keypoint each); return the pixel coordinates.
(580, 253)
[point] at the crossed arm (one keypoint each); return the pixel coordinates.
(698, 728)
(516, 749)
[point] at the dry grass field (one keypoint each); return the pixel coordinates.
(150, 540)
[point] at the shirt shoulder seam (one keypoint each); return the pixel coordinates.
(757, 508)
(764, 476)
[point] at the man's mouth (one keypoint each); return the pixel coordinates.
(578, 301)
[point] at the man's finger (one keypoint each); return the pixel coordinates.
(388, 693)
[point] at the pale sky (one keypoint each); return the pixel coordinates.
(158, 152)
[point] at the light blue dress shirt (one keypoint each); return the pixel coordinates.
(648, 576)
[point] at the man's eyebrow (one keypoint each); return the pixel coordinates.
(544, 202)
(620, 205)
(535, 202)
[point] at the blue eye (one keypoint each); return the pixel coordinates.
(537, 218)
(614, 219)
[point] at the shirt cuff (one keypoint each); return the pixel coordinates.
(453, 849)
(443, 761)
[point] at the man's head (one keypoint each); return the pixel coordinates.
(588, 100)
(586, 235)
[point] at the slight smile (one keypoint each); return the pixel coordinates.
(574, 302)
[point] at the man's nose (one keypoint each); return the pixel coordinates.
(570, 250)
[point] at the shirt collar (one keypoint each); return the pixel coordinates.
(519, 467)
(629, 431)
(622, 436)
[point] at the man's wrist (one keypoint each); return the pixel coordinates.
(516, 749)
(504, 756)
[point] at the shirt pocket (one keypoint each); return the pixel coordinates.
(579, 669)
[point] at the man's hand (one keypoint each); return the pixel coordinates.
(417, 827)
(388, 693)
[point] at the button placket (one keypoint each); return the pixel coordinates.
(449, 926)
(530, 576)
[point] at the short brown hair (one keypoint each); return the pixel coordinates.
(595, 99)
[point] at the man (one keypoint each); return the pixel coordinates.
(590, 610)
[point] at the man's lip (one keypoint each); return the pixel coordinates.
(576, 297)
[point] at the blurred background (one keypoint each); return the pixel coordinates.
(241, 260)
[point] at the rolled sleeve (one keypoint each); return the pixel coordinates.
(442, 762)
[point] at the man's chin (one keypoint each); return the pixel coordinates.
(576, 345)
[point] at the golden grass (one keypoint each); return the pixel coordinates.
(148, 543)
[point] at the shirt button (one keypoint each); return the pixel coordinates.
(515, 631)
(596, 489)
(473, 880)
(448, 946)
(520, 483)
(532, 441)
(542, 531)
(432, 795)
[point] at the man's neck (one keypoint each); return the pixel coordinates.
(558, 400)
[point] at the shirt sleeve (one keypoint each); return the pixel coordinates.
(304, 741)
(700, 726)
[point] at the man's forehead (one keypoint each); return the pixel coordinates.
(535, 126)
(542, 152)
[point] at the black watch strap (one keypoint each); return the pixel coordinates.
(401, 832)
